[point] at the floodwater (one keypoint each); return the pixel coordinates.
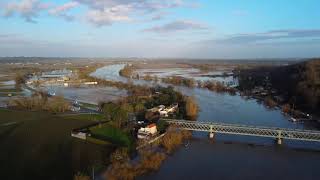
(194, 73)
(4, 86)
(88, 94)
(236, 157)
(218, 107)
(8, 83)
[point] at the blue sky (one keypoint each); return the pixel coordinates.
(160, 28)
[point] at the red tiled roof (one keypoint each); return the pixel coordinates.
(151, 125)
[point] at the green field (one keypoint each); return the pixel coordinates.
(88, 105)
(10, 90)
(4, 91)
(114, 135)
(91, 117)
(39, 146)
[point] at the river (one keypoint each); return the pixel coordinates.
(234, 157)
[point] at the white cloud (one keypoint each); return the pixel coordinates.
(107, 16)
(106, 12)
(281, 34)
(97, 12)
(177, 26)
(62, 10)
(27, 9)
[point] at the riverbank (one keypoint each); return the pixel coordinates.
(293, 88)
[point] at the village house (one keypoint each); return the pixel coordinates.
(163, 111)
(148, 131)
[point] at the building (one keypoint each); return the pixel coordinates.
(58, 74)
(163, 111)
(166, 111)
(148, 131)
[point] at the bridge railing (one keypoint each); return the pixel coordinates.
(279, 133)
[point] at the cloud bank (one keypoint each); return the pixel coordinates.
(62, 10)
(98, 12)
(175, 26)
(270, 35)
(27, 9)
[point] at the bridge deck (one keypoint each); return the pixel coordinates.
(279, 133)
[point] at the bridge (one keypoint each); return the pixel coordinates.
(277, 133)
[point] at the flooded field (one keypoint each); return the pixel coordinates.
(194, 73)
(7, 83)
(8, 90)
(88, 94)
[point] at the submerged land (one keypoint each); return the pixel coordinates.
(95, 117)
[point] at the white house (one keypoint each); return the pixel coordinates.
(163, 111)
(147, 131)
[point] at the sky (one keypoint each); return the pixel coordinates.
(160, 28)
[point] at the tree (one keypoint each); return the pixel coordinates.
(139, 107)
(192, 108)
(162, 126)
(108, 110)
(286, 108)
(127, 107)
(57, 104)
(80, 176)
(173, 138)
(117, 113)
(19, 79)
(149, 161)
(120, 155)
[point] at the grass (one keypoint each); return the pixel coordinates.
(91, 117)
(97, 141)
(12, 94)
(114, 135)
(5, 91)
(88, 105)
(11, 90)
(39, 146)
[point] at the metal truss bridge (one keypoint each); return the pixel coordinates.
(278, 133)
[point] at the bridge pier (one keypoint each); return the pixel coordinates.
(279, 138)
(279, 141)
(211, 135)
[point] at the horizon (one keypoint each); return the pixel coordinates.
(164, 58)
(179, 29)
